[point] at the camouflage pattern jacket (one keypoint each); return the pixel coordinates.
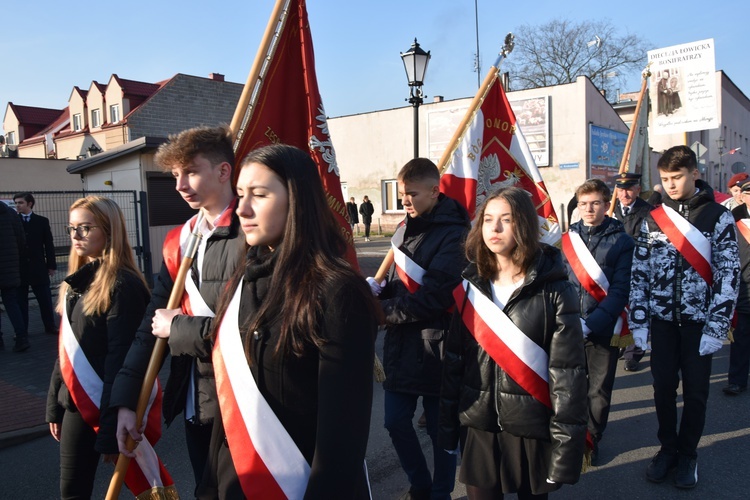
(666, 287)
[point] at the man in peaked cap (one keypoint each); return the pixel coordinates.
(630, 209)
(739, 351)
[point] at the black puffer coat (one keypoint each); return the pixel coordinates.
(612, 249)
(477, 393)
(104, 339)
(417, 322)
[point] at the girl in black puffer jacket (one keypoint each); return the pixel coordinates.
(514, 382)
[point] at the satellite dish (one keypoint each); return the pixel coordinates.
(738, 167)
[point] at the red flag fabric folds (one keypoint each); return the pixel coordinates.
(287, 109)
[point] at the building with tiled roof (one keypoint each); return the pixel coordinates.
(106, 116)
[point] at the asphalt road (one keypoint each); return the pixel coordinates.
(30, 470)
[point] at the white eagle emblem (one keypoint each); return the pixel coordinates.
(325, 146)
(489, 170)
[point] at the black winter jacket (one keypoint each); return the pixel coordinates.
(634, 220)
(12, 247)
(478, 393)
(322, 398)
(666, 287)
(418, 322)
(612, 249)
(743, 299)
(104, 339)
(188, 334)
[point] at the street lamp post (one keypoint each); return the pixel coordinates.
(720, 147)
(415, 63)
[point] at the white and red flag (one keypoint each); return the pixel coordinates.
(283, 104)
(492, 153)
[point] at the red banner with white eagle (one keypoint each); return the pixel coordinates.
(285, 106)
(493, 153)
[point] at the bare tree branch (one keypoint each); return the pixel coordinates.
(560, 51)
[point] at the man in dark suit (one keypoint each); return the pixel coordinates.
(41, 265)
(12, 246)
(630, 209)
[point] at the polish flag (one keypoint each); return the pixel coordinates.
(493, 153)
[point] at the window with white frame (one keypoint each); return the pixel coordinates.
(114, 113)
(96, 118)
(77, 122)
(391, 199)
(10, 138)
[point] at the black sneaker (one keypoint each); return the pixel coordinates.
(734, 389)
(687, 472)
(413, 494)
(631, 365)
(661, 464)
(21, 345)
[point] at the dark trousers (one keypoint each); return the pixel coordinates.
(43, 296)
(674, 355)
(739, 352)
(78, 459)
(399, 416)
(197, 438)
(601, 365)
(12, 307)
(367, 230)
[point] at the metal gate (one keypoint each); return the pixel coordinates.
(55, 204)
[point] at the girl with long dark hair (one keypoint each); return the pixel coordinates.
(294, 345)
(514, 382)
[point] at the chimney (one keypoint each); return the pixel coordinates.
(216, 76)
(438, 98)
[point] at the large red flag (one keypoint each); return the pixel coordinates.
(491, 153)
(286, 108)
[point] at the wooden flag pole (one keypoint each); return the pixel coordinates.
(631, 134)
(155, 362)
(460, 130)
(277, 16)
(476, 103)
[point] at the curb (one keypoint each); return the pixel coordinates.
(12, 438)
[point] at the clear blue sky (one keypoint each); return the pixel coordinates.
(49, 46)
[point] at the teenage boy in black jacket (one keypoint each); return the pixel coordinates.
(419, 292)
(201, 161)
(739, 351)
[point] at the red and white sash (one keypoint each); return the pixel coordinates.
(590, 274)
(175, 245)
(520, 357)
(687, 239)
(743, 226)
(144, 473)
(268, 463)
(410, 273)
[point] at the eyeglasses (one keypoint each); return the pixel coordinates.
(595, 204)
(81, 231)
